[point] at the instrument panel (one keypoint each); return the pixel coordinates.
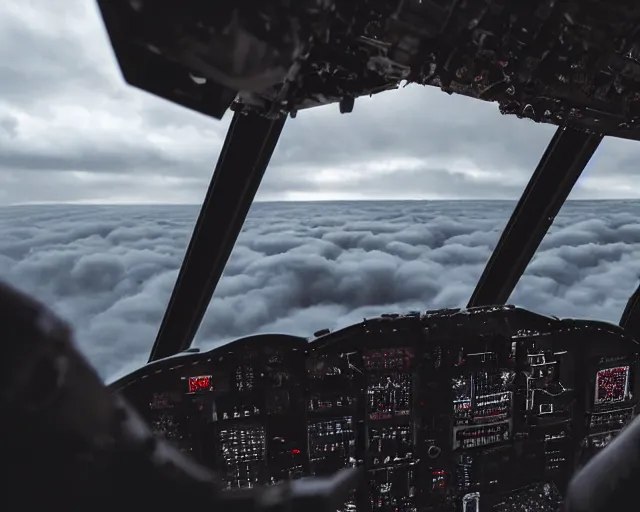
(489, 408)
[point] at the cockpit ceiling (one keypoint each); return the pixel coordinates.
(571, 63)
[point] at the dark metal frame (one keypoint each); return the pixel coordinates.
(561, 165)
(630, 319)
(245, 155)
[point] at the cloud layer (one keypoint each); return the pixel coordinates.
(300, 267)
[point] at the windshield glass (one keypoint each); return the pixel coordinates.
(80, 151)
(396, 206)
(588, 264)
(426, 195)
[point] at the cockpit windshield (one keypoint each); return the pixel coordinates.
(381, 210)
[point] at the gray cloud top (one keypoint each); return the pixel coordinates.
(300, 267)
(72, 131)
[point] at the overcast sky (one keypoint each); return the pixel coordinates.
(72, 131)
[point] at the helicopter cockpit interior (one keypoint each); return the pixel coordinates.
(489, 407)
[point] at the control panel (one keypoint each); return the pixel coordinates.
(454, 410)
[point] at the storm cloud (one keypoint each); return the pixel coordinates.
(300, 267)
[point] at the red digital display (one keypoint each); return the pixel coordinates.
(201, 383)
(612, 385)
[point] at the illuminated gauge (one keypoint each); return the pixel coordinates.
(200, 383)
(612, 385)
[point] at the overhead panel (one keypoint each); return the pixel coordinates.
(571, 63)
(246, 152)
(560, 167)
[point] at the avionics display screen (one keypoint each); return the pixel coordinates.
(200, 383)
(612, 385)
